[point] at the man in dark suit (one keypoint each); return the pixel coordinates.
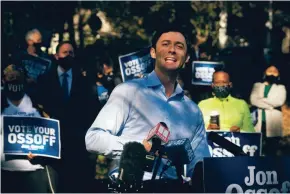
(67, 95)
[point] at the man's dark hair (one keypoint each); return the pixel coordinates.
(62, 43)
(171, 28)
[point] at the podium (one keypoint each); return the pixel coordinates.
(246, 175)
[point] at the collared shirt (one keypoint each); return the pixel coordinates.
(232, 112)
(135, 107)
(69, 77)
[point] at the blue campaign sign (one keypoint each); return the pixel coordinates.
(136, 65)
(35, 66)
(247, 175)
(249, 142)
(37, 135)
(202, 71)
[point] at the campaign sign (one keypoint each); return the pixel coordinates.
(249, 142)
(37, 135)
(247, 175)
(35, 66)
(136, 65)
(202, 71)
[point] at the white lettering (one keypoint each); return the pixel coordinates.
(29, 139)
(52, 132)
(249, 181)
(20, 138)
(250, 149)
(12, 138)
(52, 140)
(37, 139)
(249, 191)
(271, 181)
(17, 129)
(40, 130)
(128, 71)
(234, 188)
(262, 191)
(11, 128)
(261, 178)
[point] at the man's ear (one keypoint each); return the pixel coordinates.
(153, 53)
(231, 84)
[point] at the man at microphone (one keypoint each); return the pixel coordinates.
(136, 106)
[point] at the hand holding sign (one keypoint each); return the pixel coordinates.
(24, 135)
(235, 129)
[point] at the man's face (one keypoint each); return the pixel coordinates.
(65, 50)
(221, 79)
(170, 52)
(34, 38)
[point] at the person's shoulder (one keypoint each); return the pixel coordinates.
(280, 86)
(206, 101)
(134, 83)
(258, 84)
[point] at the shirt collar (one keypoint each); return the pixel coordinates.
(25, 102)
(152, 80)
(224, 99)
(60, 72)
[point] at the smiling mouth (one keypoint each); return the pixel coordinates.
(170, 59)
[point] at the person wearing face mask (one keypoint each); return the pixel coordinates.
(233, 114)
(32, 58)
(67, 95)
(22, 174)
(268, 96)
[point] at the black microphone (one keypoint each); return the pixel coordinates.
(179, 152)
(132, 163)
(226, 144)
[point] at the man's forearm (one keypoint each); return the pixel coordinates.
(103, 142)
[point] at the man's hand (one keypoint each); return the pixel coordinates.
(30, 156)
(213, 127)
(235, 129)
(147, 145)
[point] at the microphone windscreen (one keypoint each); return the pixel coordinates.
(132, 162)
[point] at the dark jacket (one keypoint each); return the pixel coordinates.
(75, 115)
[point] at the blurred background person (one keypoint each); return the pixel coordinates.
(234, 114)
(268, 96)
(67, 95)
(18, 174)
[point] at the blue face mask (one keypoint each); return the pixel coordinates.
(221, 91)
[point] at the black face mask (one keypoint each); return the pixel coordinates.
(221, 91)
(14, 90)
(37, 47)
(66, 63)
(271, 79)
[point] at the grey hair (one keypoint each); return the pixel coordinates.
(31, 32)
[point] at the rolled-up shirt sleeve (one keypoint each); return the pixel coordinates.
(103, 137)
